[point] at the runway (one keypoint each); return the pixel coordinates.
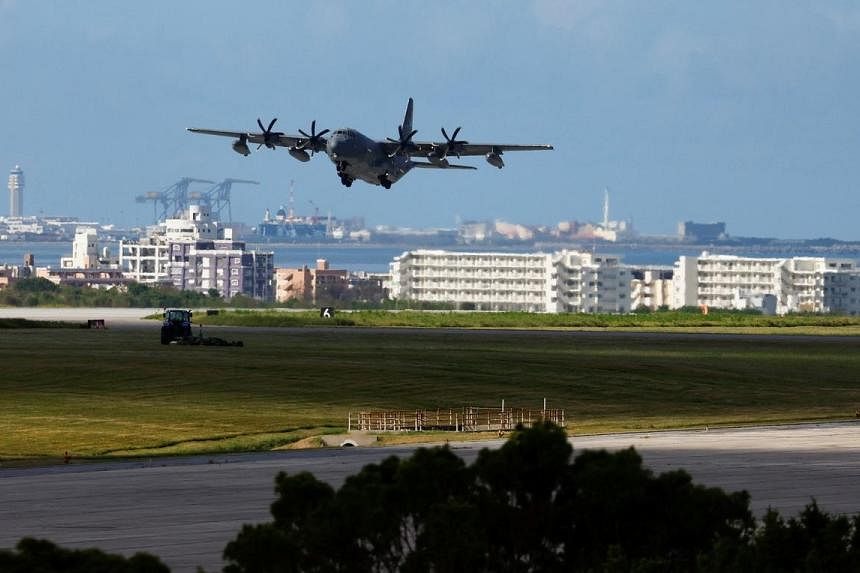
(185, 510)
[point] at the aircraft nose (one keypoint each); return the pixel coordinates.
(332, 144)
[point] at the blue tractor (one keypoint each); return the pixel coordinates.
(176, 325)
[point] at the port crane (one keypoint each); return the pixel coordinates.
(175, 199)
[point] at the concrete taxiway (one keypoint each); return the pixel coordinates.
(185, 510)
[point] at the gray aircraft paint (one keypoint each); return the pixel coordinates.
(377, 162)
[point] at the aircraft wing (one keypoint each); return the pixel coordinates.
(464, 149)
(279, 139)
(438, 166)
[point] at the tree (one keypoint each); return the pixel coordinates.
(38, 555)
(289, 543)
(523, 507)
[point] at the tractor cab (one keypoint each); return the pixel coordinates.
(176, 325)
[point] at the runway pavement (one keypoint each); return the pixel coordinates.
(185, 510)
(111, 316)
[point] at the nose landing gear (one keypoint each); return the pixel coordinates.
(345, 179)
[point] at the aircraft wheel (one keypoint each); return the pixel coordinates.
(383, 180)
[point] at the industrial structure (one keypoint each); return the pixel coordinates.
(701, 232)
(286, 225)
(175, 199)
(16, 192)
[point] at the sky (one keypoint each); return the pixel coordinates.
(735, 111)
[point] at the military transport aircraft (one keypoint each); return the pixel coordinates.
(356, 156)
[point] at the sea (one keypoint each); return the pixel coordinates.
(376, 258)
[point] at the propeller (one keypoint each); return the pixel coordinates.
(269, 136)
(453, 145)
(314, 140)
(404, 143)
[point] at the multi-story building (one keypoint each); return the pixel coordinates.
(799, 284)
(587, 282)
(701, 232)
(85, 251)
(842, 287)
(147, 260)
(194, 253)
(16, 192)
(311, 285)
(96, 277)
(651, 288)
(480, 281)
(223, 265)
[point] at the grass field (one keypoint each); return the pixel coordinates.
(718, 319)
(119, 392)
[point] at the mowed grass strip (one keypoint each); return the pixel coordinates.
(120, 392)
(669, 319)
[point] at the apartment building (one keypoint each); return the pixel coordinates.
(147, 260)
(310, 284)
(841, 287)
(194, 253)
(479, 281)
(566, 281)
(651, 288)
(799, 284)
(223, 265)
(587, 282)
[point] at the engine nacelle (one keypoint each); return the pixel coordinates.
(436, 158)
(495, 159)
(241, 146)
(299, 154)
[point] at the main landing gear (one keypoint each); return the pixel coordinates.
(384, 181)
(345, 179)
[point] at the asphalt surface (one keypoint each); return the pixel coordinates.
(134, 318)
(185, 510)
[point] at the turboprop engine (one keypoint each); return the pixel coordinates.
(241, 146)
(495, 159)
(299, 154)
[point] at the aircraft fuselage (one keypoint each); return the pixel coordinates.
(357, 156)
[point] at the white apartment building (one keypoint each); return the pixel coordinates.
(85, 250)
(567, 281)
(842, 287)
(147, 260)
(586, 282)
(650, 288)
(799, 284)
(480, 281)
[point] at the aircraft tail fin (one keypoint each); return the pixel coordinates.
(407, 119)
